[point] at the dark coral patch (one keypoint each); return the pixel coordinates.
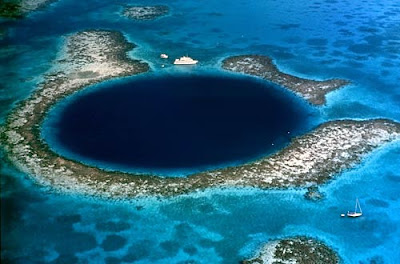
(368, 29)
(172, 247)
(75, 242)
(69, 219)
(138, 250)
(112, 260)
(191, 250)
(113, 242)
(288, 26)
(362, 48)
(65, 259)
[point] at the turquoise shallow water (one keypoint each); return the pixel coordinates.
(357, 40)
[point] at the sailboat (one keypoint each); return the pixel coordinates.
(355, 213)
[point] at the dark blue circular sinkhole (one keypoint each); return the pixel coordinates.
(168, 125)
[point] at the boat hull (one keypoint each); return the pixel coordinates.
(354, 214)
(185, 63)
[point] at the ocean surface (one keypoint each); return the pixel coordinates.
(352, 39)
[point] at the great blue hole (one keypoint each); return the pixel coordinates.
(175, 125)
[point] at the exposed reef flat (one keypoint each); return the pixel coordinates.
(19, 8)
(315, 157)
(299, 250)
(93, 56)
(145, 12)
(31, 5)
(88, 57)
(263, 66)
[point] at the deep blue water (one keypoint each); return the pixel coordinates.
(176, 122)
(353, 39)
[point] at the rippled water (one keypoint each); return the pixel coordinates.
(356, 40)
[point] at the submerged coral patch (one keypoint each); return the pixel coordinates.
(145, 12)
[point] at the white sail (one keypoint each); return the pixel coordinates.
(356, 213)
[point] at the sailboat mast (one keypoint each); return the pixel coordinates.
(355, 207)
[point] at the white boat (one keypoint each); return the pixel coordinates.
(356, 213)
(164, 56)
(185, 60)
